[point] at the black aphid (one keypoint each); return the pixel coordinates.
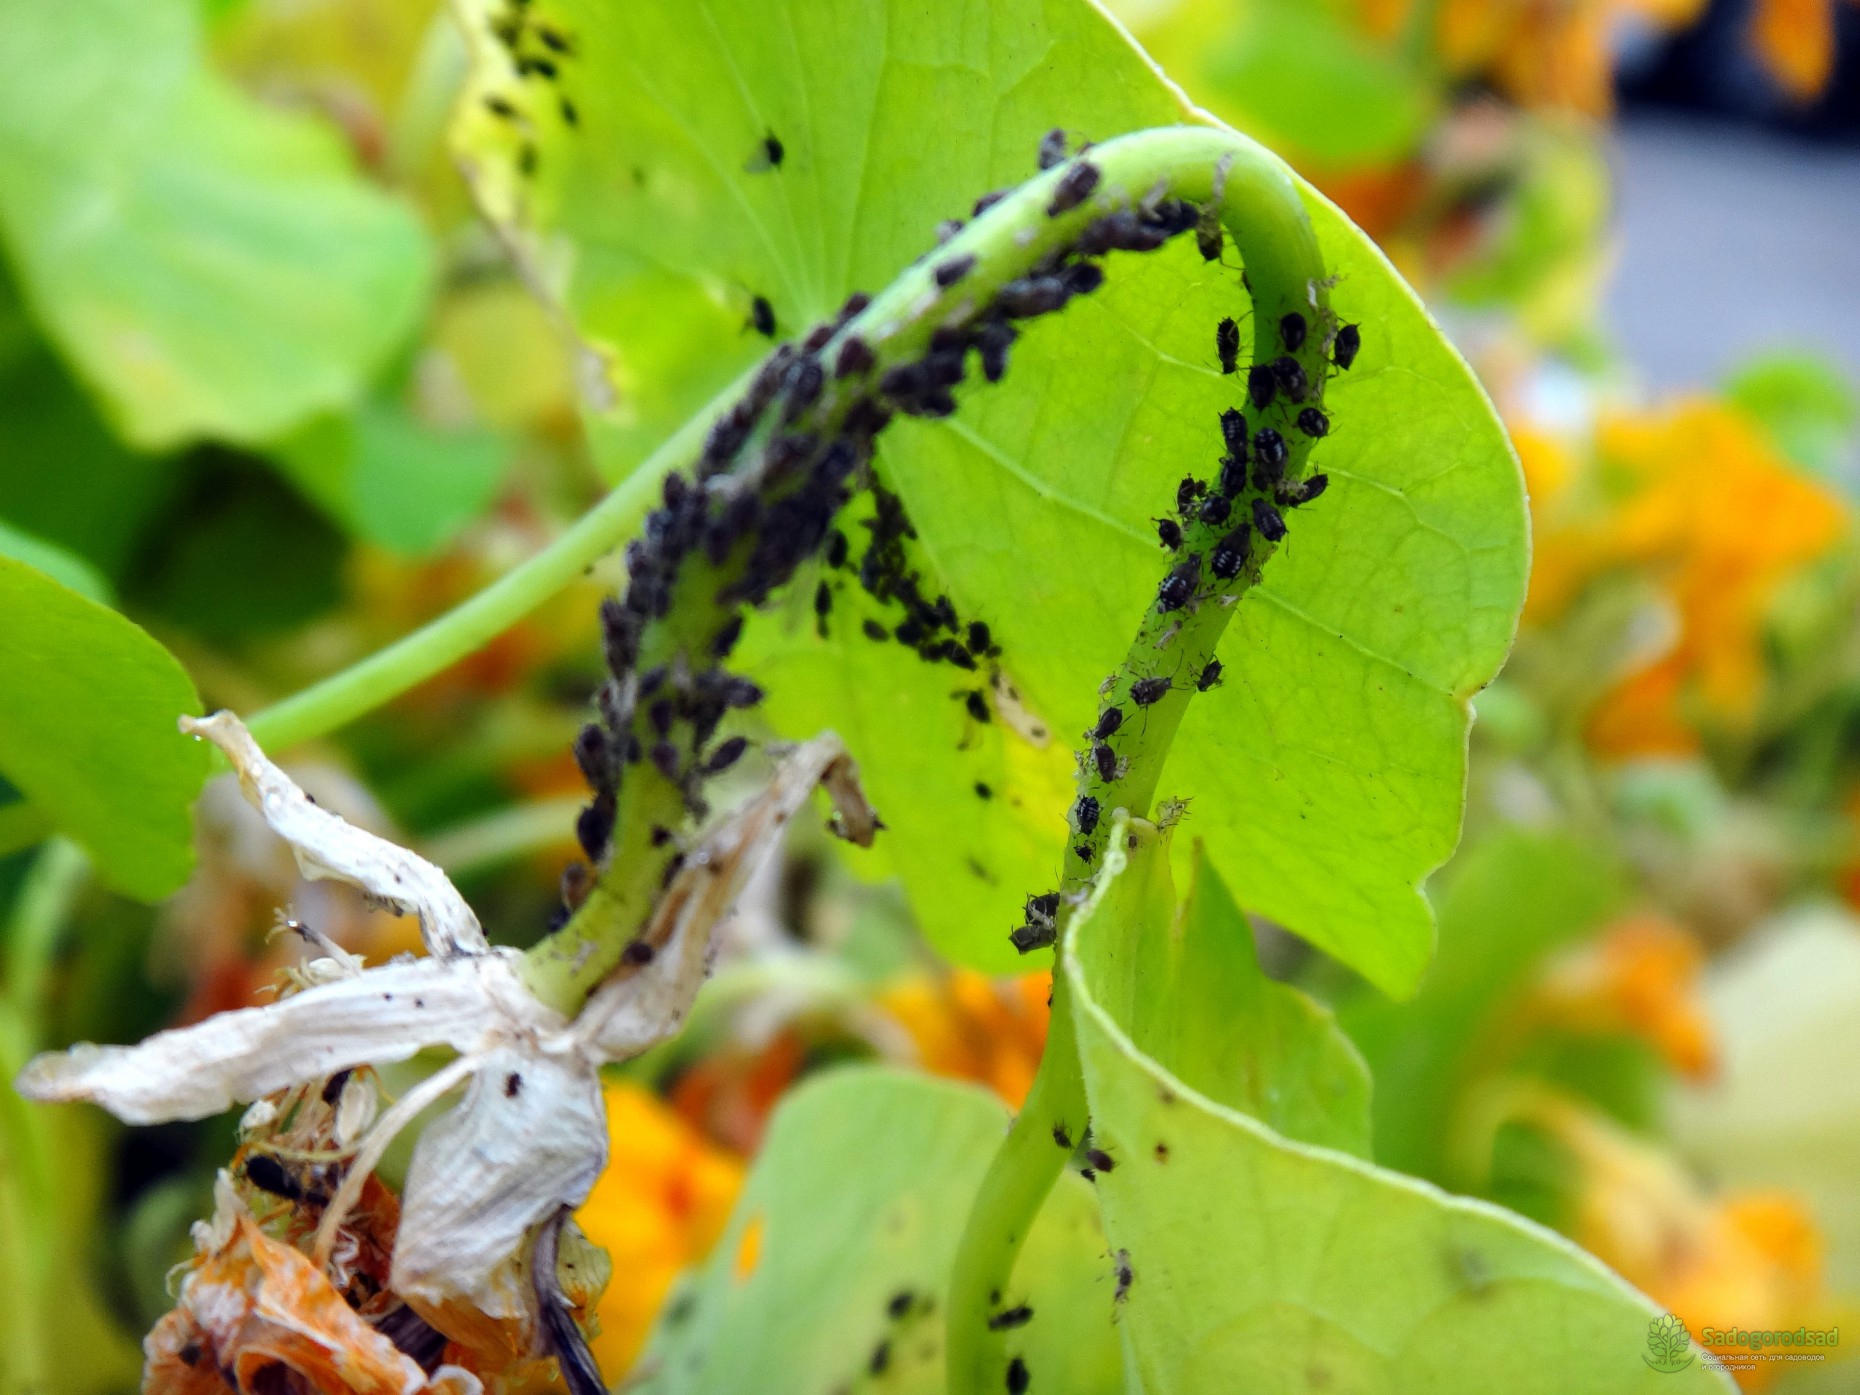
(771, 154)
(726, 754)
(950, 272)
(637, 952)
(569, 112)
(594, 753)
(1100, 1159)
(1215, 508)
(1266, 518)
(1030, 296)
(1074, 187)
(881, 1358)
(1014, 1317)
(594, 825)
(1085, 853)
(499, 107)
(1313, 422)
(1270, 452)
(1260, 386)
(1126, 1276)
(873, 630)
(559, 43)
(817, 338)
(977, 705)
(1035, 934)
(1147, 691)
(855, 356)
(992, 341)
(1232, 478)
(1227, 344)
(1061, 1137)
(267, 1174)
(1052, 148)
(725, 639)
(805, 379)
(1045, 904)
(1109, 721)
(762, 316)
(1290, 375)
(659, 714)
(1018, 1377)
(1178, 588)
(1343, 349)
(664, 758)
(1310, 489)
(1209, 676)
(1169, 532)
(1186, 493)
(1292, 331)
(982, 791)
(1208, 241)
(1233, 432)
(988, 201)
(980, 640)
(1082, 278)
(1105, 759)
(823, 600)
(1085, 814)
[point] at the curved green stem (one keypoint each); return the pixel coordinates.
(1259, 204)
(440, 643)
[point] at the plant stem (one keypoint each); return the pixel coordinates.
(435, 646)
(1259, 204)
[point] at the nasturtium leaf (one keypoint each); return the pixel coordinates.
(1327, 772)
(1183, 976)
(833, 1271)
(388, 477)
(87, 731)
(1508, 900)
(1301, 75)
(66, 568)
(210, 267)
(1259, 1263)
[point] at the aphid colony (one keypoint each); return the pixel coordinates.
(536, 50)
(776, 470)
(1211, 534)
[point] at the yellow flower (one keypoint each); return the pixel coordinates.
(1641, 977)
(657, 1209)
(971, 1027)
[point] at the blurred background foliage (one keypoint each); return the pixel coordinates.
(271, 389)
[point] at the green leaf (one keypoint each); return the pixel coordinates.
(390, 478)
(1259, 1263)
(1202, 1007)
(209, 266)
(857, 1197)
(66, 568)
(87, 731)
(1298, 74)
(1509, 900)
(1808, 405)
(1327, 771)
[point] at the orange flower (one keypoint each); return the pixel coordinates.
(657, 1209)
(1641, 977)
(1794, 40)
(974, 1028)
(1751, 1260)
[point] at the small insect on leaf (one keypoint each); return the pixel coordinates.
(1343, 349)
(1227, 344)
(762, 317)
(1261, 385)
(769, 154)
(1292, 331)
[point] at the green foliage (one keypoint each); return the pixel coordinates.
(1808, 405)
(387, 477)
(1184, 977)
(1259, 1263)
(66, 568)
(1348, 671)
(87, 731)
(207, 265)
(1512, 898)
(857, 1197)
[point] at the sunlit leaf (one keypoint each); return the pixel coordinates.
(835, 1265)
(1258, 1263)
(209, 266)
(1326, 773)
(87, 731)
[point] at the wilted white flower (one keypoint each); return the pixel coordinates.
(529, 1137)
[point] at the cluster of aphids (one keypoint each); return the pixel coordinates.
(1212, 530)
(538, 51)
(776, 470)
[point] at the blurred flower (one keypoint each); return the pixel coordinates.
(730, 1092)
(1701, 504)
(657, 1210)
(1751, 1259)
(1641, 977)
(1794, 40)
(972, 1027)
